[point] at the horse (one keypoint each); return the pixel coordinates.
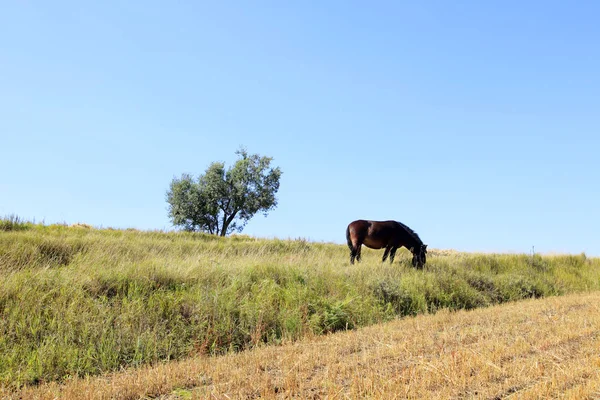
(385, 234)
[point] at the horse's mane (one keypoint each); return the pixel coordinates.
(411, 233)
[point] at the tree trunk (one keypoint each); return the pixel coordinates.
(226, 222)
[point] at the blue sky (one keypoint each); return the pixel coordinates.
(475, 123)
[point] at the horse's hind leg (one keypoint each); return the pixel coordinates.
(385, 254)
(354, 244)
(358, 248)
(355, 247)
(354, 251)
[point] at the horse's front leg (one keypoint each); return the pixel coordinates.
(385, 254)
(392, 254)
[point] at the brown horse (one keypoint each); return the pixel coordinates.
(385, 234)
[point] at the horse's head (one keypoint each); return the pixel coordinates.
(419, 256)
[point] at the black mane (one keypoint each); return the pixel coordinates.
(411, 233)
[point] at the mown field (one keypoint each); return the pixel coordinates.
(76, 301)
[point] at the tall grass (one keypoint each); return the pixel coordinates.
(14, 223)
(76, 301)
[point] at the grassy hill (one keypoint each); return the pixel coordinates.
(77, 301)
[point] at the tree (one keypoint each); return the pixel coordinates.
(220, 201)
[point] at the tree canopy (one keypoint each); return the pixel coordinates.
(222, 201)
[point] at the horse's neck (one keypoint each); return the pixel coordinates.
(413, 243)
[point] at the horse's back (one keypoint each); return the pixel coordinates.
(362, 225)
(373, 234)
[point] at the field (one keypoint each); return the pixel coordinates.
(82, 302)
(533, 349)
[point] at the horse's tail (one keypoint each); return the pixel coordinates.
(348, 239)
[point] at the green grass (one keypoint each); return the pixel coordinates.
(14, 223)
(76, 301)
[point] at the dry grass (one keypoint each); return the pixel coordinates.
(532, 349)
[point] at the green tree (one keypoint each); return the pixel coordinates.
(222, 201)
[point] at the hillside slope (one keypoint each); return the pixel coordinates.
(548, 348)
(76, 301)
